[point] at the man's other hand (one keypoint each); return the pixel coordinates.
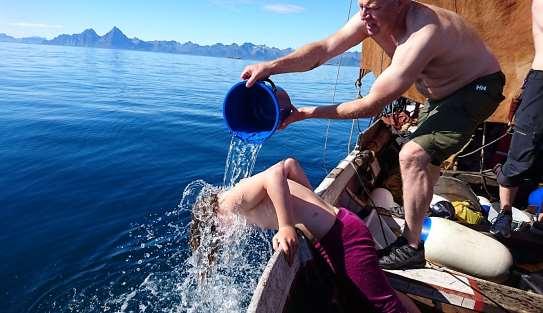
(297, 115)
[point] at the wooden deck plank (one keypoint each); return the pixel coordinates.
(478, 295)
(437, 278)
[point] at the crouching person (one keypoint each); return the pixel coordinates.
(281, 197)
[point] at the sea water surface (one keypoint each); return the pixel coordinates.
(96, 148)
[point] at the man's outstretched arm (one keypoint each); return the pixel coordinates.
(408, 62)
(310, 55)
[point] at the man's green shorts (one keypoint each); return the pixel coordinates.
(446, 125)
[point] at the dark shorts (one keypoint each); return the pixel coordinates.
(349, 249)
(525, 157)
(446, 125)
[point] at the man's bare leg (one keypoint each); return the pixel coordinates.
(435, 172)
(501, 225)
(507, 195)
(418, 179)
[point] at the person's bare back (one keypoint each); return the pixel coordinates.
(459, 57)
(537, 29)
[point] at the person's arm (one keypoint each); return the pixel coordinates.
(310, 55)
(248, 194)
(408, 62)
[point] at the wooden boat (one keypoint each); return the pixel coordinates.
(308, 286)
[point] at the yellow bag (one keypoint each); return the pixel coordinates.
(465, 214)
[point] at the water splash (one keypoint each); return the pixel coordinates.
(156, 272)
(153, 271)
(240, 161)
(225, 267)
(225, 284)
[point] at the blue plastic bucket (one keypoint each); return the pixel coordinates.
(253, 114)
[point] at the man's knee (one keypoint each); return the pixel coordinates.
(413, 155)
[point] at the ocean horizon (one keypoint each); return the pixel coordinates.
(97, 147)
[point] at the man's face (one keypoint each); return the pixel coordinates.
(378, 15)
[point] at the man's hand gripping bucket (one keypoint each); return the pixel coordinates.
(254, 114)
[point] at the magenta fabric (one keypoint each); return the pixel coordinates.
(349, 249)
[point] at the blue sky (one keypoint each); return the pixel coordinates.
(282, 24)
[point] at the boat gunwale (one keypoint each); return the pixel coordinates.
(337, 179)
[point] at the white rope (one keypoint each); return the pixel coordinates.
(350, 137)
(507, 132)
(327, 132)
(355, 120)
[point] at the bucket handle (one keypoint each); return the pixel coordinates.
(268, 80)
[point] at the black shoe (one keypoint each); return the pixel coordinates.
(400, 255)
(501, 226)
(400, 241)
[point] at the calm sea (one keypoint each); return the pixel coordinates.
(96, 148)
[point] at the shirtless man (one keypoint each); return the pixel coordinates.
(525, 157)
(437, 51)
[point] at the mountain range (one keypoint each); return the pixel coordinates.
(116, 39)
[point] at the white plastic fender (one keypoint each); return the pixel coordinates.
(463, 249)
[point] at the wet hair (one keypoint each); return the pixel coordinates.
(204, 222)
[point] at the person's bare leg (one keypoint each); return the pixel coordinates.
(434, 172)
(296, 173)
(418, 177)
(507, 195)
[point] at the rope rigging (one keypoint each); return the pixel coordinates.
(327, 131)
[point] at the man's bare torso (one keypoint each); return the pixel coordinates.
(537, 29)
(462, 56)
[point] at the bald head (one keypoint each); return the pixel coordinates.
(381, 15)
